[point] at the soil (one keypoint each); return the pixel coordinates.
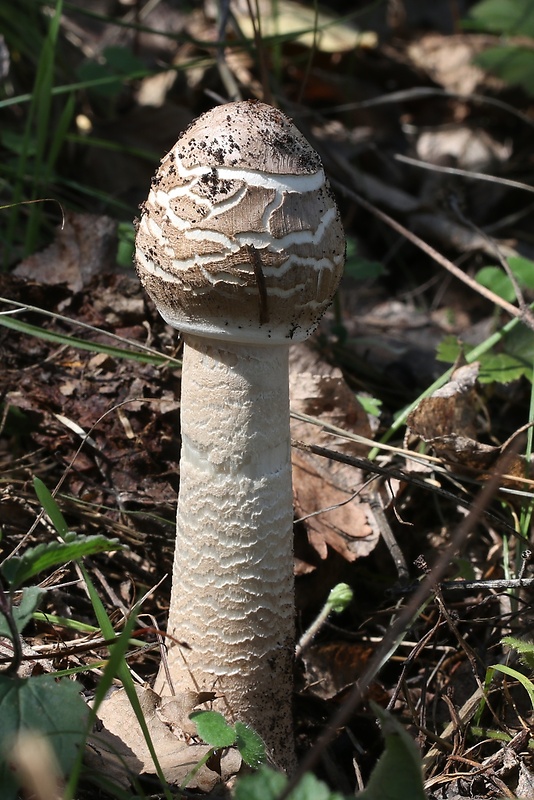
(398, 121)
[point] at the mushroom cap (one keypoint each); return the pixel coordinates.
(240, 236)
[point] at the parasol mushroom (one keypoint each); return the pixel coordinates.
(241, 247)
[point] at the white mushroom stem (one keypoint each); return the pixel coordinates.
(232, 595)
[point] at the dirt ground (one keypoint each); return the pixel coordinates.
(403, 117)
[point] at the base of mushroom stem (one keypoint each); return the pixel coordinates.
(257, 709)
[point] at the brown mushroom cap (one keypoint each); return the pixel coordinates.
(240, 236)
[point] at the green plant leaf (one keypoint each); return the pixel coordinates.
(103, 80)
(503, 16)
(503, 368)
(398, 772)
(359, 268)
(22, 614)
(51, 507)
(512, 673)
(250, 745)
(213, 728)
(119, 63)
(42, 704)
(513, 359)
(18, 569)
(126, 245)
(265, 784)
(511, 63)
(311, 788)
(67, 622)
(449, 349)
(371, 405)
(27, 329)
(497, 281)
(524, 648)
(523, 269)
(122, 60)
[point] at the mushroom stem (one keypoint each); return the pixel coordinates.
(232, 597)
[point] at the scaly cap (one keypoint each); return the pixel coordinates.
(240, 236)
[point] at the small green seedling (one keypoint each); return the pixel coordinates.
(218, 733)
(338, 600)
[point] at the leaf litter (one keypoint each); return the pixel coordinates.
(108, 428)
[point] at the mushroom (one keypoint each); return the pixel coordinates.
(241, 247)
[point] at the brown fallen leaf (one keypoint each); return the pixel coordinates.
(119, 747)
(447, 420)
(175, 711)
(332, 668)
(450, 411)
(451, 60)
(84, 246)
(462, 146)
(321, 30)
(325, 491)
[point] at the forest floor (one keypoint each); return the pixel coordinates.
(406, 120)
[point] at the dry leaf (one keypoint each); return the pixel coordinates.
(175, 710)
(331, 668)
(119, 748)
(447, 420)
(462, 146)
(323, 485)
(84, 246)
(449, 412)
(450, 60)
(323, 31)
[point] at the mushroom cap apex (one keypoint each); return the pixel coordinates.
(240, 236)
(247, 134)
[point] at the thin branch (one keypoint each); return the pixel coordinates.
(464, 173)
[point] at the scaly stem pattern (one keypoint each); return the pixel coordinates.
(232, 597)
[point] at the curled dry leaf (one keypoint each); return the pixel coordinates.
(119, 748)
(175, 710)
(345, 523)
(447, 420)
